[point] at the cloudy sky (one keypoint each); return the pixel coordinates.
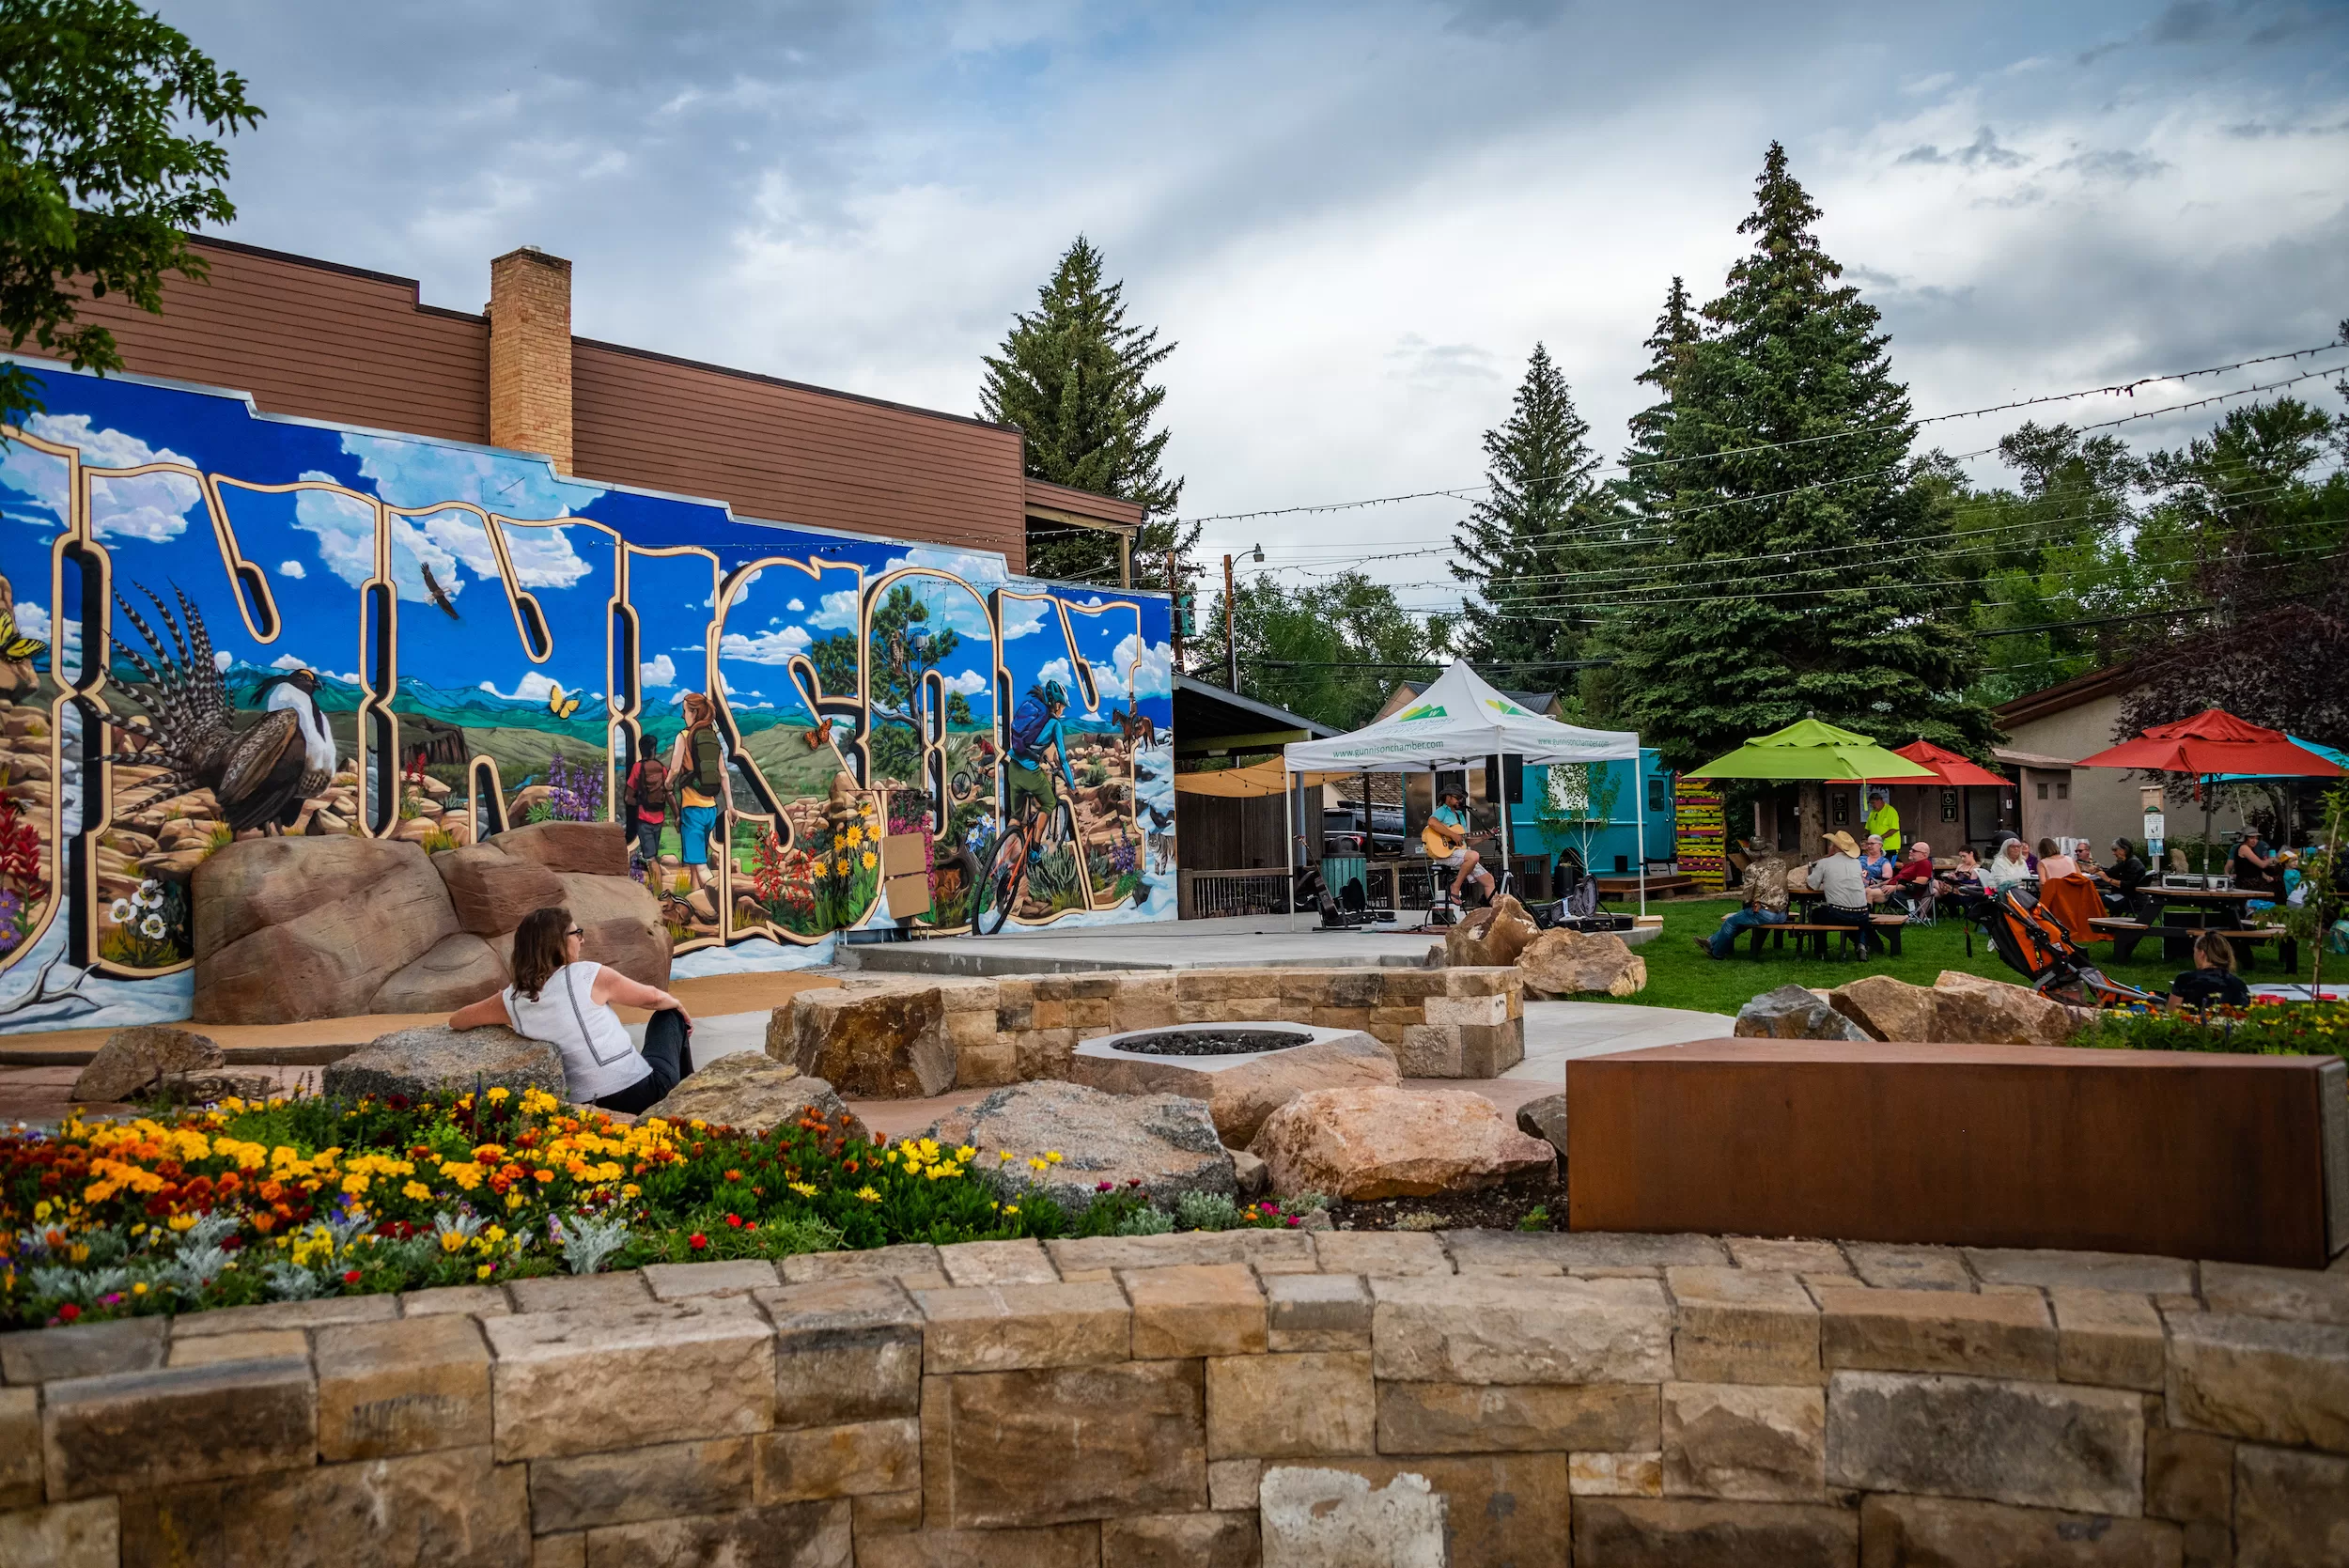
(1356, 219)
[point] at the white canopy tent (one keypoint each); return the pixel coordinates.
(1457, 722)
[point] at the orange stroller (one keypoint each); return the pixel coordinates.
(2036, 944)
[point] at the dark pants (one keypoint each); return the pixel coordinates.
(649, 840)
(1862, 921)
(667, 1054)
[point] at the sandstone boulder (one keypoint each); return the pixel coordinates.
(1165, 1141)
(461, 968)
(1563, 963)
(753, 1092)
(491, 889)
(210, 1088)
(1490, 937)
(1970, 1010)
(593, 848)
(294, 928)
(623, 922)
(878, 1043)
(133, 1060)
(1887, 1008)
(1546, 1119)
(1794, 1013)
(1369, 1143)
(414, 1063)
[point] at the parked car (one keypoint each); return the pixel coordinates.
(1383, 833)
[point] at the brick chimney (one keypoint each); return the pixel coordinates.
(530, 353)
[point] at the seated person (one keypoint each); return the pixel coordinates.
(2253, 868)
(1874, 861)
(1450, 822)
(1766, 905)
(2053, 861)
(1843, 889)
(2121, 882)
(2009, 865)
(561, 999)
(1911, 881)
(1964, 878)
(2213, 981)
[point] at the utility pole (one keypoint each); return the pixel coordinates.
(1230, 648)
(1175, 605)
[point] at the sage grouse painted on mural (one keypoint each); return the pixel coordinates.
(261, 774)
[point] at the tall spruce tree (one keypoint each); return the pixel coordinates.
(1075, 377)
(1792, 580)
(1677, 331)
(1546, 519)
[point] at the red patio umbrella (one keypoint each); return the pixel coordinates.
(2215, 741)
(1947, 765)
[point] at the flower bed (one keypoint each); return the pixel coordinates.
(2271, 1026)
(291, 1199)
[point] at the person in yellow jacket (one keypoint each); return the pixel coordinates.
(1883, 821)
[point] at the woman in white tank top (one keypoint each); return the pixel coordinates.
(561, 999)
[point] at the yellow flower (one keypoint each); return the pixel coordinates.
(1034, 1164)
(139, 1289)
(856, 835)
(181, 1222)
(513, 1202)
(1052, 1155)
(452, 1241)
(416, 1191)
(806, 1189)
(495, 1232)
(499, 1096)
(870, 860)
(1011, 1208)
(41, 1209)
(840, 866)
(868, 1195)
(1003, 1155)
(966, 1153)
(629, 1189)
(484, 1271)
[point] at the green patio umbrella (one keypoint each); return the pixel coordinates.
(1808, 749)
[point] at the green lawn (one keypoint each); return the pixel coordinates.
(1680, 976)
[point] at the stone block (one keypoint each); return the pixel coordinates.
(1465, 1418)
(471, 1300)
(839, 1461)
(2299, 1294)
(1432, 1330)
(1290, 1407)
(260, 1345)
(883, 1512)
(2261, 1378)
(1196, 1310)
(1181, 1541)
(2035, 1445)
(679, 1281)
(1097, 1258)
(1744, 1325)
(1327, 1518)
(1898, 1531)
(1391, 1254)
(2107, 1337)
(1937, 1330)
(1058, 1546)
(2189, 1476)
(1579, 1251)
(1616, 1475)
(1488, 1051)
(787, 1536)
(1232, 1482)
(970, 1031)
(283, 1314)
(1500, 1509)
(140, 1431)
(558, 1292)
(877, 1045)
(2058, 1270)
(902, 1260)
(1005, 1328)
(846, 1350)
(988, 1066)
(997, 1263)
(1318, 1312)
(1787, 1257)
(1641, 1532)
(1742, 1442)
(451, 1507)
(1128, 1438)
(83, 1350)
(403, 1387)
(2289, 1508)
(663, 1481)
(602, 1379)
(20, 1447)
(1467, 1009)
(86, 1534)
(1430, 1050)
(1893, 1267)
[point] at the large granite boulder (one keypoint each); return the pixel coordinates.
(1970, 1010)
(622, 920)
(1166, 1142)
(491, 890)
(752, 1093)
(592, 848)
(1241, 1091)
(1490, 937)
(1794, 1013)
(295, 929)
(1886, 1008)
(413, 1063)
(135, 1059)
(876, 1043)
(461, 969)
(1369, 1143)
(1561, 963)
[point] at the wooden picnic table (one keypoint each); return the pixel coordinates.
(2177, 942)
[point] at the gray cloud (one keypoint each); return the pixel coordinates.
(1982, 152)
(1415, 359)
(2116, 163)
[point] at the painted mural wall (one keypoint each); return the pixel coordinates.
(217, 624)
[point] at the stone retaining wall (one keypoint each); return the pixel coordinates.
(881, 1034)
(1207, 1399)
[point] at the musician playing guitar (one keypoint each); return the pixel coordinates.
(1445, 838)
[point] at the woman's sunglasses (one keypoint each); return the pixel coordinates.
(574, 931)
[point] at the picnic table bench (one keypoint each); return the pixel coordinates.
(2177, 942)
(1888, 926)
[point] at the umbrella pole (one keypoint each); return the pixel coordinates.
(1639, 821)
(1288, 844)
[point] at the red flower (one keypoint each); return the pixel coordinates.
(68, 1312)
(735, 1221)
(697, 1241)
(350, 1276)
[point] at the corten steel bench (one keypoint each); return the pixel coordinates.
(1888, 926)
(2177, 942)
(2190, 1154)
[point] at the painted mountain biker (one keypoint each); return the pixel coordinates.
(1036, 728)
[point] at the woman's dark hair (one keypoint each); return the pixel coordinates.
(2214, 952)
(2129, 850)
(2047, 847)
(540, 948)
(699, 711)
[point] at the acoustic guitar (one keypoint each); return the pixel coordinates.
(1441, 839)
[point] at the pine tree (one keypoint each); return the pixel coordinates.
(1074, 377)
(1676, 336)
(1544, 518)
(1793, 579)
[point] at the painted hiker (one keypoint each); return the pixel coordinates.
(698, 771)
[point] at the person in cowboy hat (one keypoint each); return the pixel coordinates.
(1843, 886)
(1452, 813)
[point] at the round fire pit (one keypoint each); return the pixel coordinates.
(1212, 1040)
